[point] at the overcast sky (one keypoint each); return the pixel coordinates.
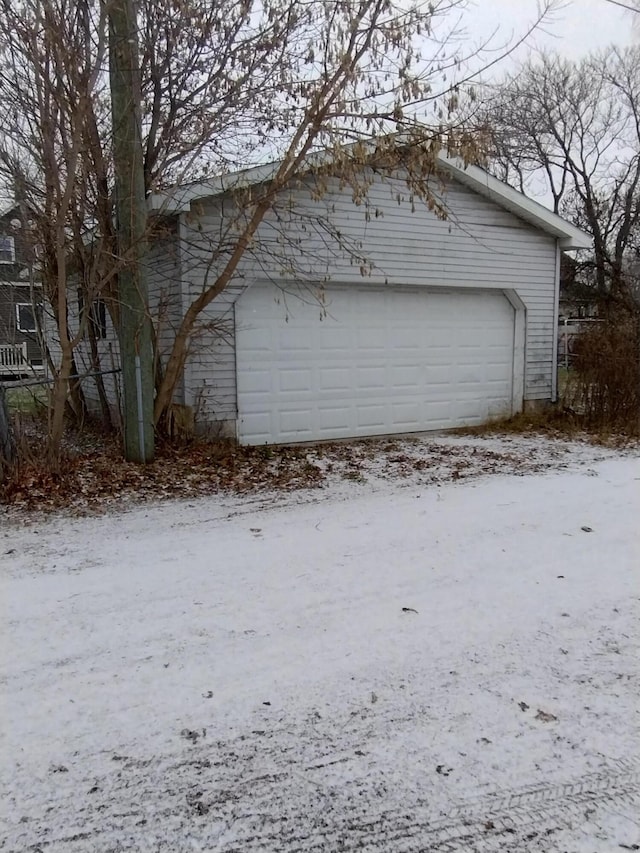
(578, 27)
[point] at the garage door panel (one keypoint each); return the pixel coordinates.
(498, 372)
(334, 339)
(294, 379)
(438, 374)
(258, 425)
(331, 418)
(410, 339)
(406, 375)
(334, 379)
(371, 378)
(371, 416)
(498, 408)
(256, 381)
(295, 420)
(495, 354)
(302, 378)
(437, 336)
(467, 410)
(438, 411)
(371, 339)
(294, 340)
(407, 414)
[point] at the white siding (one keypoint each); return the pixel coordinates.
(403, 242)
(163, 272)
(210, 372)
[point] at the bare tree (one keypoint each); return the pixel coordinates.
(47, 83)
(576, 126)
(632, 6)
(225, 85)
(353, 72)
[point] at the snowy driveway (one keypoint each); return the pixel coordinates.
(449, 668)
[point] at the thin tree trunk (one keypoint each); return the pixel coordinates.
(105, 411)
(7, 441)
(76, 395)
(58, 406)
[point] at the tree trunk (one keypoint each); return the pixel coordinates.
(58, 406)
(105, 411)
(7, 441)
(76, 395)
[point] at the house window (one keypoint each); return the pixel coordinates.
(25, 318)
(7, 249)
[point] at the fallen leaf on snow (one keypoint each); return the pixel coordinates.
(545, 716)
(189, 734)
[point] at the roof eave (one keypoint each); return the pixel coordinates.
(568, 236)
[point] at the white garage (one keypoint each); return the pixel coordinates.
(370, 361)
(431, 318)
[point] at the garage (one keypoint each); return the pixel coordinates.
(370, 361)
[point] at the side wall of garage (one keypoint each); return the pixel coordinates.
(389, 239)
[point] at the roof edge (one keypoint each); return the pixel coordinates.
(179, 199)
(569, 236)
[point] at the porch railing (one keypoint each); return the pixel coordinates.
(13, 356)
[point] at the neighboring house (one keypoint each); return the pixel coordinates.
(453, 323)
(20, 352)
(578, 300)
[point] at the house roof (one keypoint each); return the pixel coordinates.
(8, 208)
(180, 198)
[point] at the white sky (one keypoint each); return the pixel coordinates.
(577, 28)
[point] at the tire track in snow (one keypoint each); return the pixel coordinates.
(495, 822)
(263, 814)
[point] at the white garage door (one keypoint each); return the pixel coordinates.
(381, 361)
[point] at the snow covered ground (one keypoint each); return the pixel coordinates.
(407, 667)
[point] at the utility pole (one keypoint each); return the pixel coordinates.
(136, 352)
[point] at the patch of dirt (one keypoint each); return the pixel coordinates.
(95, 478)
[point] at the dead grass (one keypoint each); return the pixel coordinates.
(556, 421)
(94, 478)
(97, 478)
(31, 400)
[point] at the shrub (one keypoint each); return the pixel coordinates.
(605, 384)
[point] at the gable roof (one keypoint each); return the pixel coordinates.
(6, 209)
(526, 208)
(180, 198)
